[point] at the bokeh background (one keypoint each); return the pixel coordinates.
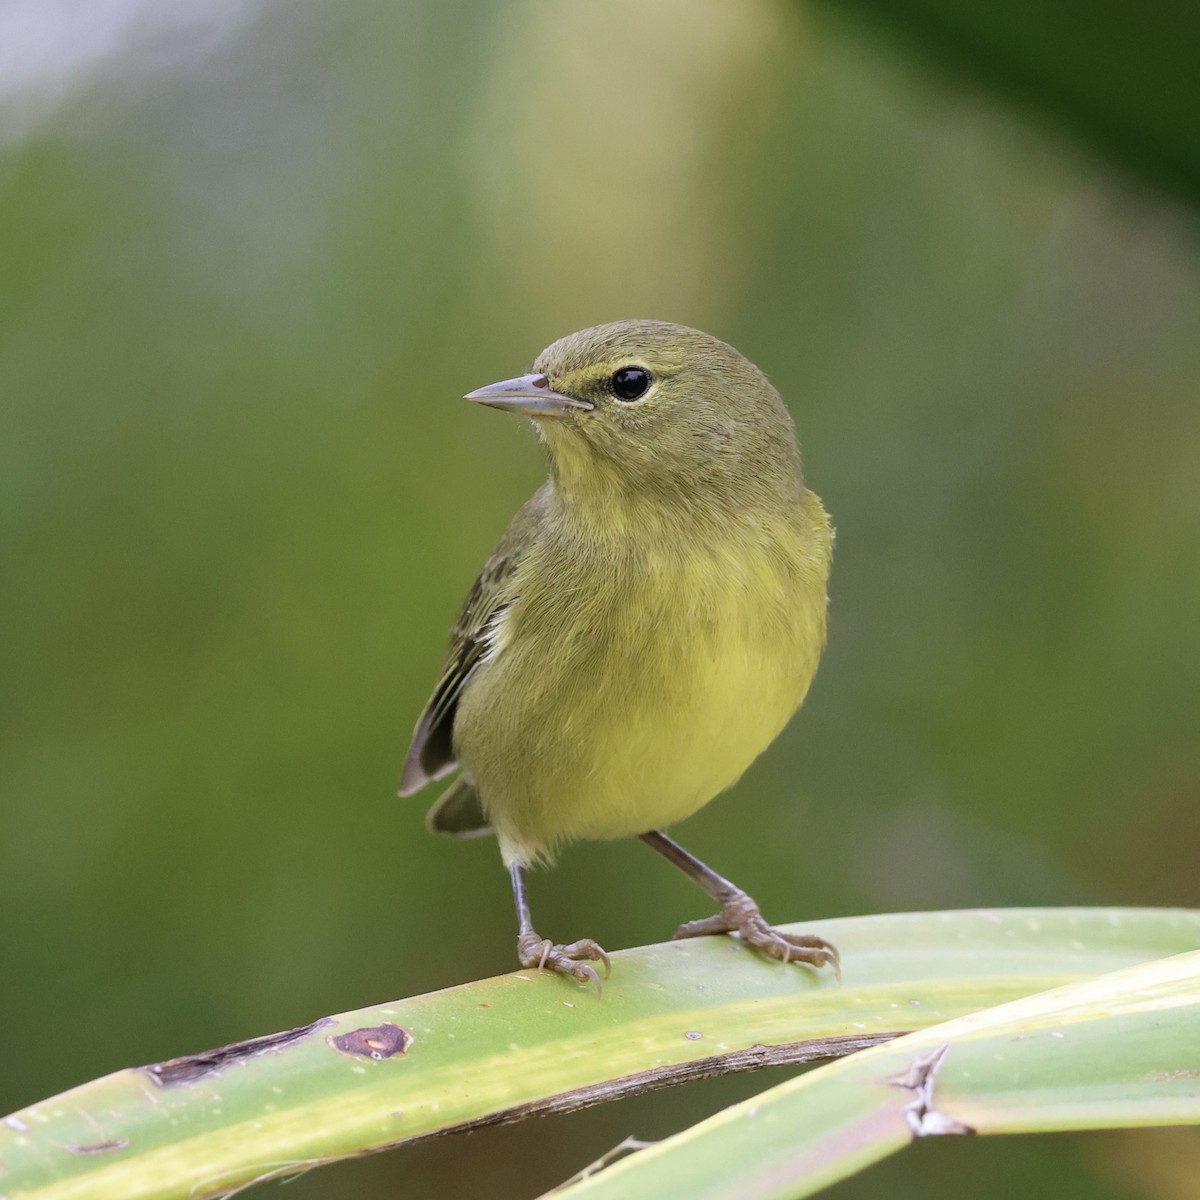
(252, 254)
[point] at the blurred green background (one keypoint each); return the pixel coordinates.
(252, 254)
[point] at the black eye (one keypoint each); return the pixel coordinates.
(630, 383)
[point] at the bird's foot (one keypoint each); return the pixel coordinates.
(741, 915)
(574, 958)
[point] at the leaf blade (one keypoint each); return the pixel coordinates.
(498, 1048)
(1116, 1051)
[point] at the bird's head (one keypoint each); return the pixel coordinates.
(650, 408)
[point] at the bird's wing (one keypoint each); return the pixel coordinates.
(431, 754)
(458, 811)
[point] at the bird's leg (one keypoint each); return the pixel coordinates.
(536, 951)
(739, 914)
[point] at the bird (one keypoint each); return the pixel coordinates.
(649, 622)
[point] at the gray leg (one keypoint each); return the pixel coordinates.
(533, 950)
(739, 914)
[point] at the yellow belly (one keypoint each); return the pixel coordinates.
(648, 703)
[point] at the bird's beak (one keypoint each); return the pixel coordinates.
(528, 394)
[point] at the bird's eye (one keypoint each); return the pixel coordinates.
(630, 383)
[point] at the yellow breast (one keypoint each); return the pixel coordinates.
(657, 695)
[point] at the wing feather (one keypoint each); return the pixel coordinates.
(474, 640)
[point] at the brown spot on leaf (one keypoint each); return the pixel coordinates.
(100, 1147)
(373, 1041)
(177, 1072)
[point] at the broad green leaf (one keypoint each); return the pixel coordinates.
(1116, 1051)
(504, 1048)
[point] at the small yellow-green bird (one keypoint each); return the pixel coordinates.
(649, 622)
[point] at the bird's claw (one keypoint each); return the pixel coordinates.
(741, 916)
(573, 958)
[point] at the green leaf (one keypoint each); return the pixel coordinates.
(504, 1048)
(1120, 1050)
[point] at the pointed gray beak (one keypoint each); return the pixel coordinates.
(528, 394)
